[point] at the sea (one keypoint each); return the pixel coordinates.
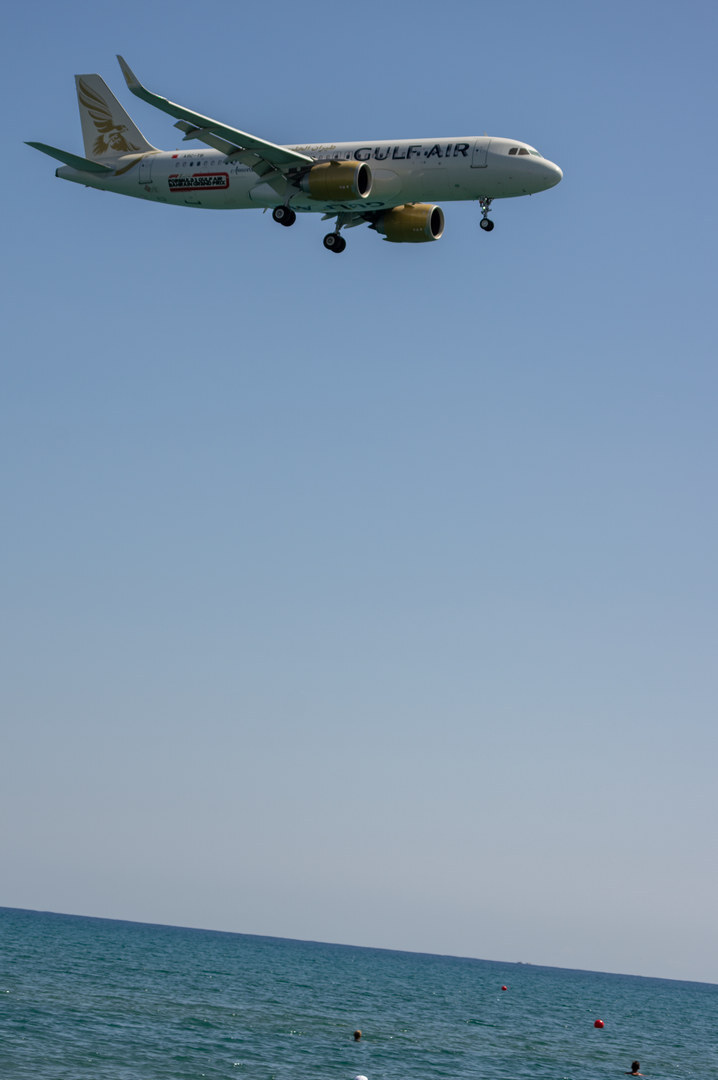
(89, 999)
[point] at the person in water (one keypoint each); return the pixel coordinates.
(357, 1035)
(635, 1066)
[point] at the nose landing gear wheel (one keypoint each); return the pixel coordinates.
(486, 223)
(334, 242)
(284, 215)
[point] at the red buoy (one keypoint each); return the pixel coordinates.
(504, 987)
(598, 1023)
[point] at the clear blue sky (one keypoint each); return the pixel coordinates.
(370, 598)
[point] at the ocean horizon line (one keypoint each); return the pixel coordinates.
(350, 945)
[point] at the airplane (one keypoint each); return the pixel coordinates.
(391, 185)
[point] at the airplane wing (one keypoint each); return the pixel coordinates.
(262, 157)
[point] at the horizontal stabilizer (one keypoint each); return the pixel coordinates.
(73, 160)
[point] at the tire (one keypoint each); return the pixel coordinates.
(284, 215)
(334, 242)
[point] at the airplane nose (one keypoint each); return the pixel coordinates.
(555, 175)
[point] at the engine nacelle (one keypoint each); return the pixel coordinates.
(415, 223)
(338, 181)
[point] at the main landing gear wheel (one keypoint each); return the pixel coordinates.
(334, 242)
(486, 224)
(284, 215)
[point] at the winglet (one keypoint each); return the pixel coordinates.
(141, 91)
(137, 88)
(130, 78)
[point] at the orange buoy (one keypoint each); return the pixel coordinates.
(598, 1023)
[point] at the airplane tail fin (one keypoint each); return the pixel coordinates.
(107, 130)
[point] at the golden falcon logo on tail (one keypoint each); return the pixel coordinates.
(109, 134)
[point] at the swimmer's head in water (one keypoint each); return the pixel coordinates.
(635, 1066)
(357, 1035)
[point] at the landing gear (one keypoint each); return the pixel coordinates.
(486, 223)
(334, 242)
(284, 215)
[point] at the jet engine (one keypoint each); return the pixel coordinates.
(338, 181)
(415, 223)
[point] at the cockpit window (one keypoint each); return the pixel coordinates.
(524, 150)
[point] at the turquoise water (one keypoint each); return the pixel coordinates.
(93, 998)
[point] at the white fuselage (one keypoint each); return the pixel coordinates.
(403, 171)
